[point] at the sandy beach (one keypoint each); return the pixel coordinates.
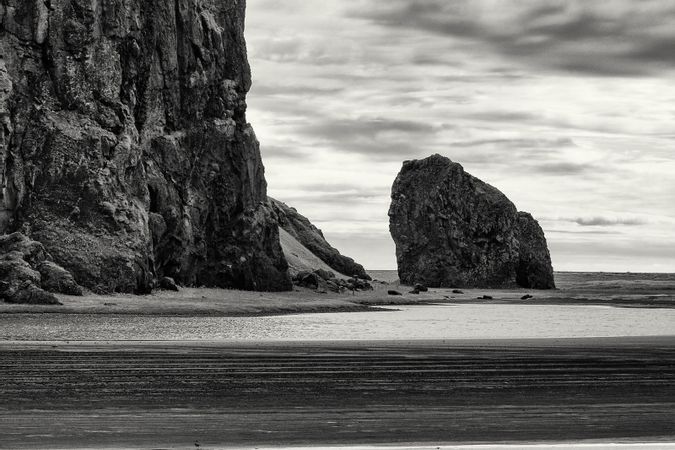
(108, 393)
(161, 395)
(626, 290)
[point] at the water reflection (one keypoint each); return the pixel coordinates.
(413, 322)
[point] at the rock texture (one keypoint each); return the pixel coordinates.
(302, 230)
(534, 261)
(124, 147)
(453, 230)
(27, 274)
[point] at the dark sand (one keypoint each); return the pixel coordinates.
(159, 395)
(618, 290)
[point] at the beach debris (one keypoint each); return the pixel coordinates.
(452, 229)
(393, 292)
(457, 291)
(526, 297)
(485, 297)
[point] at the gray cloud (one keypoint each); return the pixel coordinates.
(564, 168)
(376, 137)
(582, 232)
(511, 90)
(273, 151)
(518, 143)
(605, 222)
(615, 37)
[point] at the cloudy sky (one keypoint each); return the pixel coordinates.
(568, 107)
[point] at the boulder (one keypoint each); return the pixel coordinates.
(302, 230)
(308, 279)
(20, 283)
(168, 284)
(421, 288)
(453, 230)
(125, 146)
(28, 276)
(393, 292)
(325, 274)
(57, 279)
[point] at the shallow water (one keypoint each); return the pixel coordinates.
(407, 323)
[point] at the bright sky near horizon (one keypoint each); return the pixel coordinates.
(566, 106)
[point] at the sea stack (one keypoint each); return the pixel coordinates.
(453, 230)
(124, 145)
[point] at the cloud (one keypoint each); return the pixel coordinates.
(605, 222)
(282, 152)
(519, 143)
(564, 168)
(582, 232)
(375, 137)
(613, 37)
(564, 105)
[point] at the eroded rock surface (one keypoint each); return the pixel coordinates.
(301, 229)
(55, 278)
(27, 275)
(453, 230)
(534, 260)
(124, 146)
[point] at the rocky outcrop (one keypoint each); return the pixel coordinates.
(55, 278)
(309, 236)
(124, 147)
(534, 260)
(27, 275)
(453, 230)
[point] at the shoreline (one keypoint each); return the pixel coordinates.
(196, 302)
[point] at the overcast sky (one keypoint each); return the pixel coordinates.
(568, 107)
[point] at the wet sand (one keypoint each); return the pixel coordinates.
(575, 289)
(164, 395)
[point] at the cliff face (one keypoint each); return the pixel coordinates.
(453, 230)
(124, 146)
(310, 237)
(534, 260)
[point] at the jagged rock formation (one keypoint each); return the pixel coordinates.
(453, 230)
(300, 229)
(124, 147)
(27, 274)
(534, 261)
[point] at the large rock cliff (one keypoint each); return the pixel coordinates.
(124, 147)
(453, 230)
(300, 229)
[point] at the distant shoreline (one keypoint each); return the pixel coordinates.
(575, 289)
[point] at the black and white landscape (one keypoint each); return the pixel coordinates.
(470, 240)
